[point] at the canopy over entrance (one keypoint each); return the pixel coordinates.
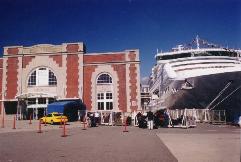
(33, 104)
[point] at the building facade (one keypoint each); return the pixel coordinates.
(42, 73)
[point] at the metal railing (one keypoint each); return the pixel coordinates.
(200, 115)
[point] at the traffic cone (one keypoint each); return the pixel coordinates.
(14, 122)
(64, 131)
(3, 119)
(30, 119)
(84, 124)
(125, 126)
(39, 127)
(45, 121)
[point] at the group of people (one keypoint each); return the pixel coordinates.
(152, 120)
(149, 120)
(93, 119)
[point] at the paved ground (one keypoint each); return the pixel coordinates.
(95, 144)
(204, 144)
(23, 125)
(109, 143)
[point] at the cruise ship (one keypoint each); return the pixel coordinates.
(198, 75)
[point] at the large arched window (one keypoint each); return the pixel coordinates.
(104, 78)
(42, 77)
(52, 78)
(32, 79)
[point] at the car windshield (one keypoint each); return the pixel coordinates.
(57, 114)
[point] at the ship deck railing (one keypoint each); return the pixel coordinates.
(200, 115)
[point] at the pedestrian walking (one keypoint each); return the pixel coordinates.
(150, 118)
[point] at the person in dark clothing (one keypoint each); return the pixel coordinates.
(177, 121)
(92, 119)
(156, 121)
(166, 119)
(138, 117)
(141, 120)
(97, 118)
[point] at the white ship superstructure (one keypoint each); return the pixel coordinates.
(203, 71)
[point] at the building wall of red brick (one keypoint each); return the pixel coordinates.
(133, 87)
(132, 56)
(1, 63)
(1, 82)
(27, 60)
(57, 59)
(104, 58)
(12, 51)
(72, 76)
(121, 72)
(72, 48)
(1, 78)
(67, 60)
(88, 70)
(11, 80)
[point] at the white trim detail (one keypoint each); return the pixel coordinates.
(138, 91)
(81, 76)
(128, 92)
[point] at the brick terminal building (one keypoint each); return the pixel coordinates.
(42, 73)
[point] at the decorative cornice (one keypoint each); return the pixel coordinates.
(44, 48)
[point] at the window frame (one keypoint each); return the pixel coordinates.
(104, 78)
(108, 103)
(33, 78)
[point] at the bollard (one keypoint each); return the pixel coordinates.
(3, 120)
(45, 121)
(61, 123)
(39, 127)
(14, 122)
(125, 129)
(64, 131)
(84, 124)
(30, 119)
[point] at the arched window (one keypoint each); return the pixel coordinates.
(104, 78)
(42, 77)
(52, 78)
(32, 79)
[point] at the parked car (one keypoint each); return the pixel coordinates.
(54, 118)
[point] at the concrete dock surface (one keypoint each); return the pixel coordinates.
(214, 143)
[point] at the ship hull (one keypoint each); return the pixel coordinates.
(204, 91)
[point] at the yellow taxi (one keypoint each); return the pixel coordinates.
(53, 118)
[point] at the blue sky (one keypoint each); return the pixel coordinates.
(116, 25)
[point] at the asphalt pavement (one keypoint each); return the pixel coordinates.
(101, 144)
(214, 143)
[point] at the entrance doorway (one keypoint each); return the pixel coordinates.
(33, 104)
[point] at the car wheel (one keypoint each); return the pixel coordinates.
(41, 121)
(52, 122)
